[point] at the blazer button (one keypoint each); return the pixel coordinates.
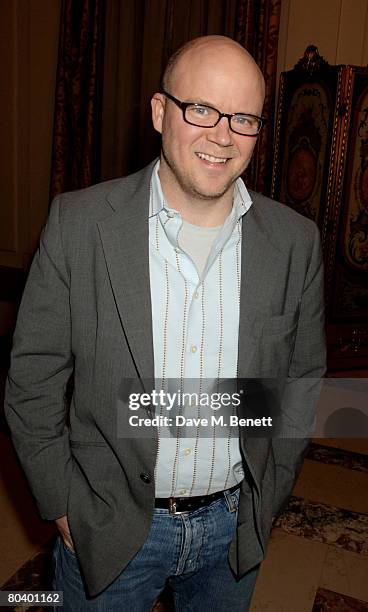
(145, 477)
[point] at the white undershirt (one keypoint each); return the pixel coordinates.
(197, 242)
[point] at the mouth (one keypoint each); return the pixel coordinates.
(211, 159)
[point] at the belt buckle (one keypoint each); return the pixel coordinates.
(172, 506)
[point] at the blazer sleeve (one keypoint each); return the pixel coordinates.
(302, 388)
(41, 365)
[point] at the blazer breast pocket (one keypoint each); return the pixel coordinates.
(276, 343)
(281, 324)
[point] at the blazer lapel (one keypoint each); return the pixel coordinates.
(124, 237)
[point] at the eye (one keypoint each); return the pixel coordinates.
(200, 111)
(244, 120)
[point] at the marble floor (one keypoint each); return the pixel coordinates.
(317, 558)
(318, 553)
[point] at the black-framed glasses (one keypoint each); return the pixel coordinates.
(205, 116)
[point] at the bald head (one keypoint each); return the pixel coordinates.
(212, 49)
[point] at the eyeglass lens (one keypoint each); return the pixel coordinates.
(207, 116)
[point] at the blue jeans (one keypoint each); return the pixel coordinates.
(188, 552)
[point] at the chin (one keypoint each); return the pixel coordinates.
(215, 195)
(208, 193)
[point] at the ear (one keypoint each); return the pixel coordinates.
(158, 111)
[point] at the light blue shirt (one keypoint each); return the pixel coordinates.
(195, 322)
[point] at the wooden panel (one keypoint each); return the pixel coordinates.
(8, 238)
(43, 49)
(365, 42)
(28, 57)
(313, 22)
(21, 136)
(351, 32)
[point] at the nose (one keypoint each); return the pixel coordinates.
(221, 133)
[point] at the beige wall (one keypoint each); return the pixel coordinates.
(339, 28)
(28, 57)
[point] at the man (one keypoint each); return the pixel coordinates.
(174, 273)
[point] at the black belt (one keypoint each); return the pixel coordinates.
(188, 504)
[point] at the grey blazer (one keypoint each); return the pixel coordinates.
(86, 309)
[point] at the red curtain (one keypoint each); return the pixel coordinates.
(139, 38)
(257, 29)
(76, 146)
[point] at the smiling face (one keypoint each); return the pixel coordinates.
(202, 164)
